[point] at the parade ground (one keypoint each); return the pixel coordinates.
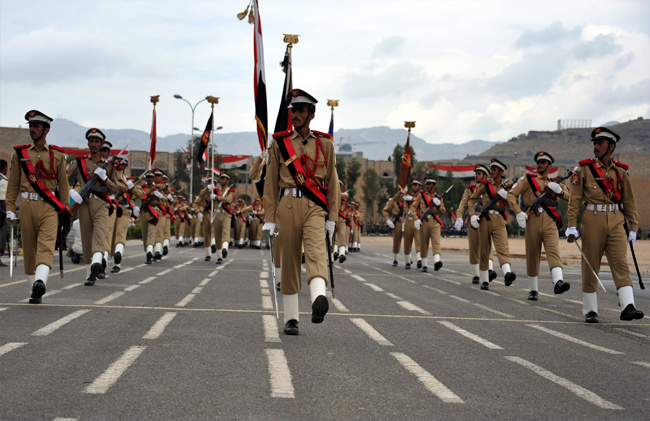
(185, 339)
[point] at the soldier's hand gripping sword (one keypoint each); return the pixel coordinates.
(572, 239)
(271, 235)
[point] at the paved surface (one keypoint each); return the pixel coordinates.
(185, 339)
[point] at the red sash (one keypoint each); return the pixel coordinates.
(291, 161)
(83, 169)
(149, 208)
(552, 212)
(491, 193)
(36, 182)
(428, 203)
(612, 192)
(223, 205)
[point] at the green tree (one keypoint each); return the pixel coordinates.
(371, 190)
(353, 174)
(340, 170)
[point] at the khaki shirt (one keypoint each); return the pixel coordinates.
(18, 182)
(279, 177)
(481, 192)
(111, 182)
(419, 205)
(585, 189)
(523, 187)
(464, 201)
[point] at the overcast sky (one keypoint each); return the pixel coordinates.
(462, 70)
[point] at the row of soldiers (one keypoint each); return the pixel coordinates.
(610, 222)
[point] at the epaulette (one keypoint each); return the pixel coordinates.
(57, 148)
(81, 157)
(27, 145)
(327, 135)
(282, 134)
(620, 164)
(586, 161)
(470, 187)
(486, 181)
(232, 190)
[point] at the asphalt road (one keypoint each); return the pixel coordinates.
(185, 339)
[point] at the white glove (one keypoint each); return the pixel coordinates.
(571, 231)
(158, 194)
(330, 226)
(390, 224)
(418, 224)
(170, 197)
(502, 193)
(213, 196)
(254, 212)
(11, 216)
(555, 187)
(521, 219)
(631, 238)
(136, 211)
(474, 220)
(250, 218)
(190, 216)
(130, 184)
(200, 217)
(272, 229)
(101, 173)
(459, 224)
(76, 196)
(436, 201)
(408, 197)
(210, 187)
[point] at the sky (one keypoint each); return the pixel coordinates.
(463, 70)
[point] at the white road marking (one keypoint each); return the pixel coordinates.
(486, 308)
(459, 299)
(450, 281)
(131, 288)
(263, 283)
(412, 307)
(267, 302)
(197, 290)
(158, 328)
(110, 297)
(270, 328)
(185, 301)
(126, 270)
(164, 272)
(4, 308)
(570, 386)
(213, 273)
(431, 383)
(71, 286)
(358, 278)
(370, 331)
(575, 340)
(279, 374)
(469, 335)
(391, 295)
(10, 347)
(264, 275)
(339, 305)
(347, 271)
(204, 282)
(375, 287)
(113, 373)
(642, 364)
(265, 290)
(630, 332)
(44, 331)
(147, 280)
(65, 419)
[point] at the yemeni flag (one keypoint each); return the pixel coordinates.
(152, 149)
(261, 115)
(283, 122)
(405, 169)
(202, 154)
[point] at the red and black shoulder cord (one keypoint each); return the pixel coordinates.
(36, 181)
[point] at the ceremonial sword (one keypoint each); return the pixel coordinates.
(275, 292)
(11, 249)
(636, 264)
(573, 239)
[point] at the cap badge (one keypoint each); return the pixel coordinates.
(32, 114)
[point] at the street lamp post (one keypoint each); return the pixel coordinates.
(191, 141)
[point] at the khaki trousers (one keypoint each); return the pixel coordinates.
(121, 229)
(222, 228)
(410, 234)
(110, 231)
(541, 230)
(206, 225)
(148, 229)
(493, 231)
(397, 236)
(429, 232)
(38, 225)
(256, 229)
(93, 222)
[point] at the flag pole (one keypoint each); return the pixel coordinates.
(212, 100)
(152, 148)
(332, 103)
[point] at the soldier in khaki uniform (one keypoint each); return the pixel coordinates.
(257, 213)
(163, 203)
(429, 223)
(342, 232)
(481, 173)
(149, 215)
(42, 185)
(127, 201)
(223, 197)
(603, 184)
(206, 223)
(397, 208)
(93, 212)
(183, 214)
(302, 194)
(114, 209)
(411, 234)
(241, 221)
(169, 214)
(493, 229)
(542, 225)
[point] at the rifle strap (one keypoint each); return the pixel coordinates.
(427, 202)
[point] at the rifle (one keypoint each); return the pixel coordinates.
(430, 210)
(541, 199)
(86, 188)
(485, 211)
(636, 264)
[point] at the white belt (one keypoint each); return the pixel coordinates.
(611, 207)
(493, 212)
(31, 196)
(292, 192)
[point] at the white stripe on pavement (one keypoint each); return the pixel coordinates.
(375, 287)
(270, 328)
(44, 331)
(391, 295)
(65, 419)
(159, 327)
(267, 303)
(339, 305)
(469, 335)
(10, 347)
(642, 364)
(70, 286)
(570, 386)
(264, 275)
(164, 272)
(184, 301)
(110, 297)
(197, 290)
(279, 374)
(459, 299)
(131, 288)
(213, 273)
(631, 332)
(358, 278)
(412, 307)
(431, 383)
(575, 340)
(370, 331)
(113, 373)
(486, 308)
(147, 280)
(204, 282)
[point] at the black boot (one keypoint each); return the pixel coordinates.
(561, 287)
(492, 275)
(591, 317)
(291, 328)
(475, 280)
(629, 313)
(149, 258)
(510, 278)
(38, 289)
(437, 266)
(532, 295)
(117, 258)
(319, 309)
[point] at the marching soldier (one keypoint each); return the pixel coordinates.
(183, 215)
(241, 221)
(427, 208)
(492, 230)
(543, 224)
(37, 174)
(169, 200)
(356, 226)
(481, 173)
(94, 211)
(224, 197)
(410, 233)
(149, 215)
(301, 193)
(603, 184)
(126, 201)
(162, 213)
(256, 224)
(343, 225)
(395, 209)
(114, 209)
(206, 222)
